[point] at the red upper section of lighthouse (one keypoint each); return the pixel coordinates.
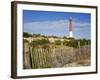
(70, 24)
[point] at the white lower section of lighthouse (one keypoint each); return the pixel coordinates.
(71, 34)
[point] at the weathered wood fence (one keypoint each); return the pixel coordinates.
(53, 57)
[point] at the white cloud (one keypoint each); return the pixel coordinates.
(60, 27)
(46, 26)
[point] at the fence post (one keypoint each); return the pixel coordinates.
(79, 55)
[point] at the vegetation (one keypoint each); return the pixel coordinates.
(75, 43)
(57, 42)
(25, 40)
(25, 34)
(71, 42)
(46, 54)
(40, 42)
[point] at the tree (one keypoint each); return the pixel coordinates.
(25, 34)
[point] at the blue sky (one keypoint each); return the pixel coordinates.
(56, 23)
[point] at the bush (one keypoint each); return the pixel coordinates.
(57, 42)
(40, 42)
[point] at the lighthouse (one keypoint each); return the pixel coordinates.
(70, 27)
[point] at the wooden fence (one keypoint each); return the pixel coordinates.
(51, 57)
